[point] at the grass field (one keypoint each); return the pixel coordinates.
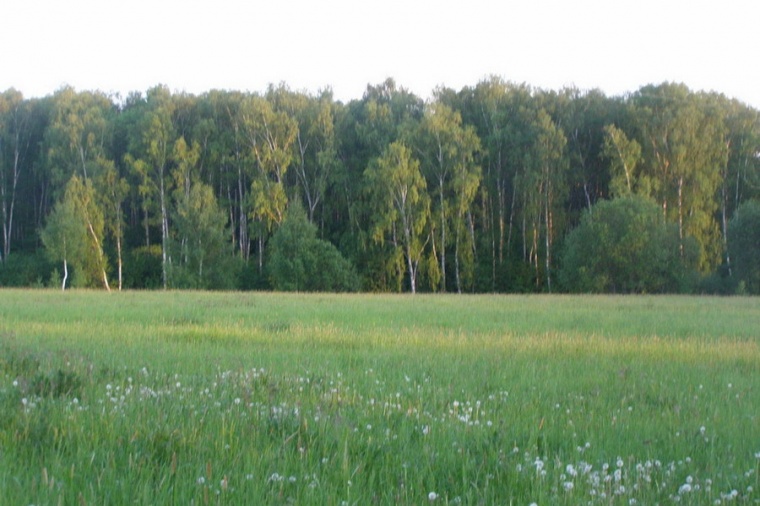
(231, 398)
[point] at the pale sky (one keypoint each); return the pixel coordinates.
(198, 45)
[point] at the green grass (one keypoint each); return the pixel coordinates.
(229, 398)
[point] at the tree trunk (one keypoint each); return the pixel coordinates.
(724, 223)
(65, 274)
(680, 215)
(8, 209)
(443, 237)
(164, 229)
(100, 255)
(548, 218)
(456, 259)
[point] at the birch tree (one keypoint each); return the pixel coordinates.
(401, 205)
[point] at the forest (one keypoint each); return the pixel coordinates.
(498, 187)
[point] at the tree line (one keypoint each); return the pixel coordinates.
(497, 187)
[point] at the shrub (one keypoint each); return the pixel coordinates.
(299, 261)
(744, 245)
(623, 246)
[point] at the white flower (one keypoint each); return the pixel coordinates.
(568, 485)
(201, 480)
(432, 496)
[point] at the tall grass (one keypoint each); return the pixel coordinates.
(198, 398)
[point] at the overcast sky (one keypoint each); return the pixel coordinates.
(197, 45)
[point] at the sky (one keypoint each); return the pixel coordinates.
(194, 46)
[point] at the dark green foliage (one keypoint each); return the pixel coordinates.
(143, 267)
(300, 261)
(744, 246)
(25, 269)
(623, 246)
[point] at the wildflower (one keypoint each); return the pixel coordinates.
(568, 485)
(432, 496)
(571, 470)
(201, 480)
(619, 462)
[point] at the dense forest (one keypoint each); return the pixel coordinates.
(499, 187)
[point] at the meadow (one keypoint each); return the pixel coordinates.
(251, 398)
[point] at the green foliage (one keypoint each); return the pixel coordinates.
(744, 245)
(29, 269)
(203, 257)
(623, 246)
(143, 267)
(400, 205)
(472, 191)
(74, 233)
(299, 261)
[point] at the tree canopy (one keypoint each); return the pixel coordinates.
(493, 187)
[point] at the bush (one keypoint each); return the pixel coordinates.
(744, 246)
(26, 270)
(299, 261)
(623, 246)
